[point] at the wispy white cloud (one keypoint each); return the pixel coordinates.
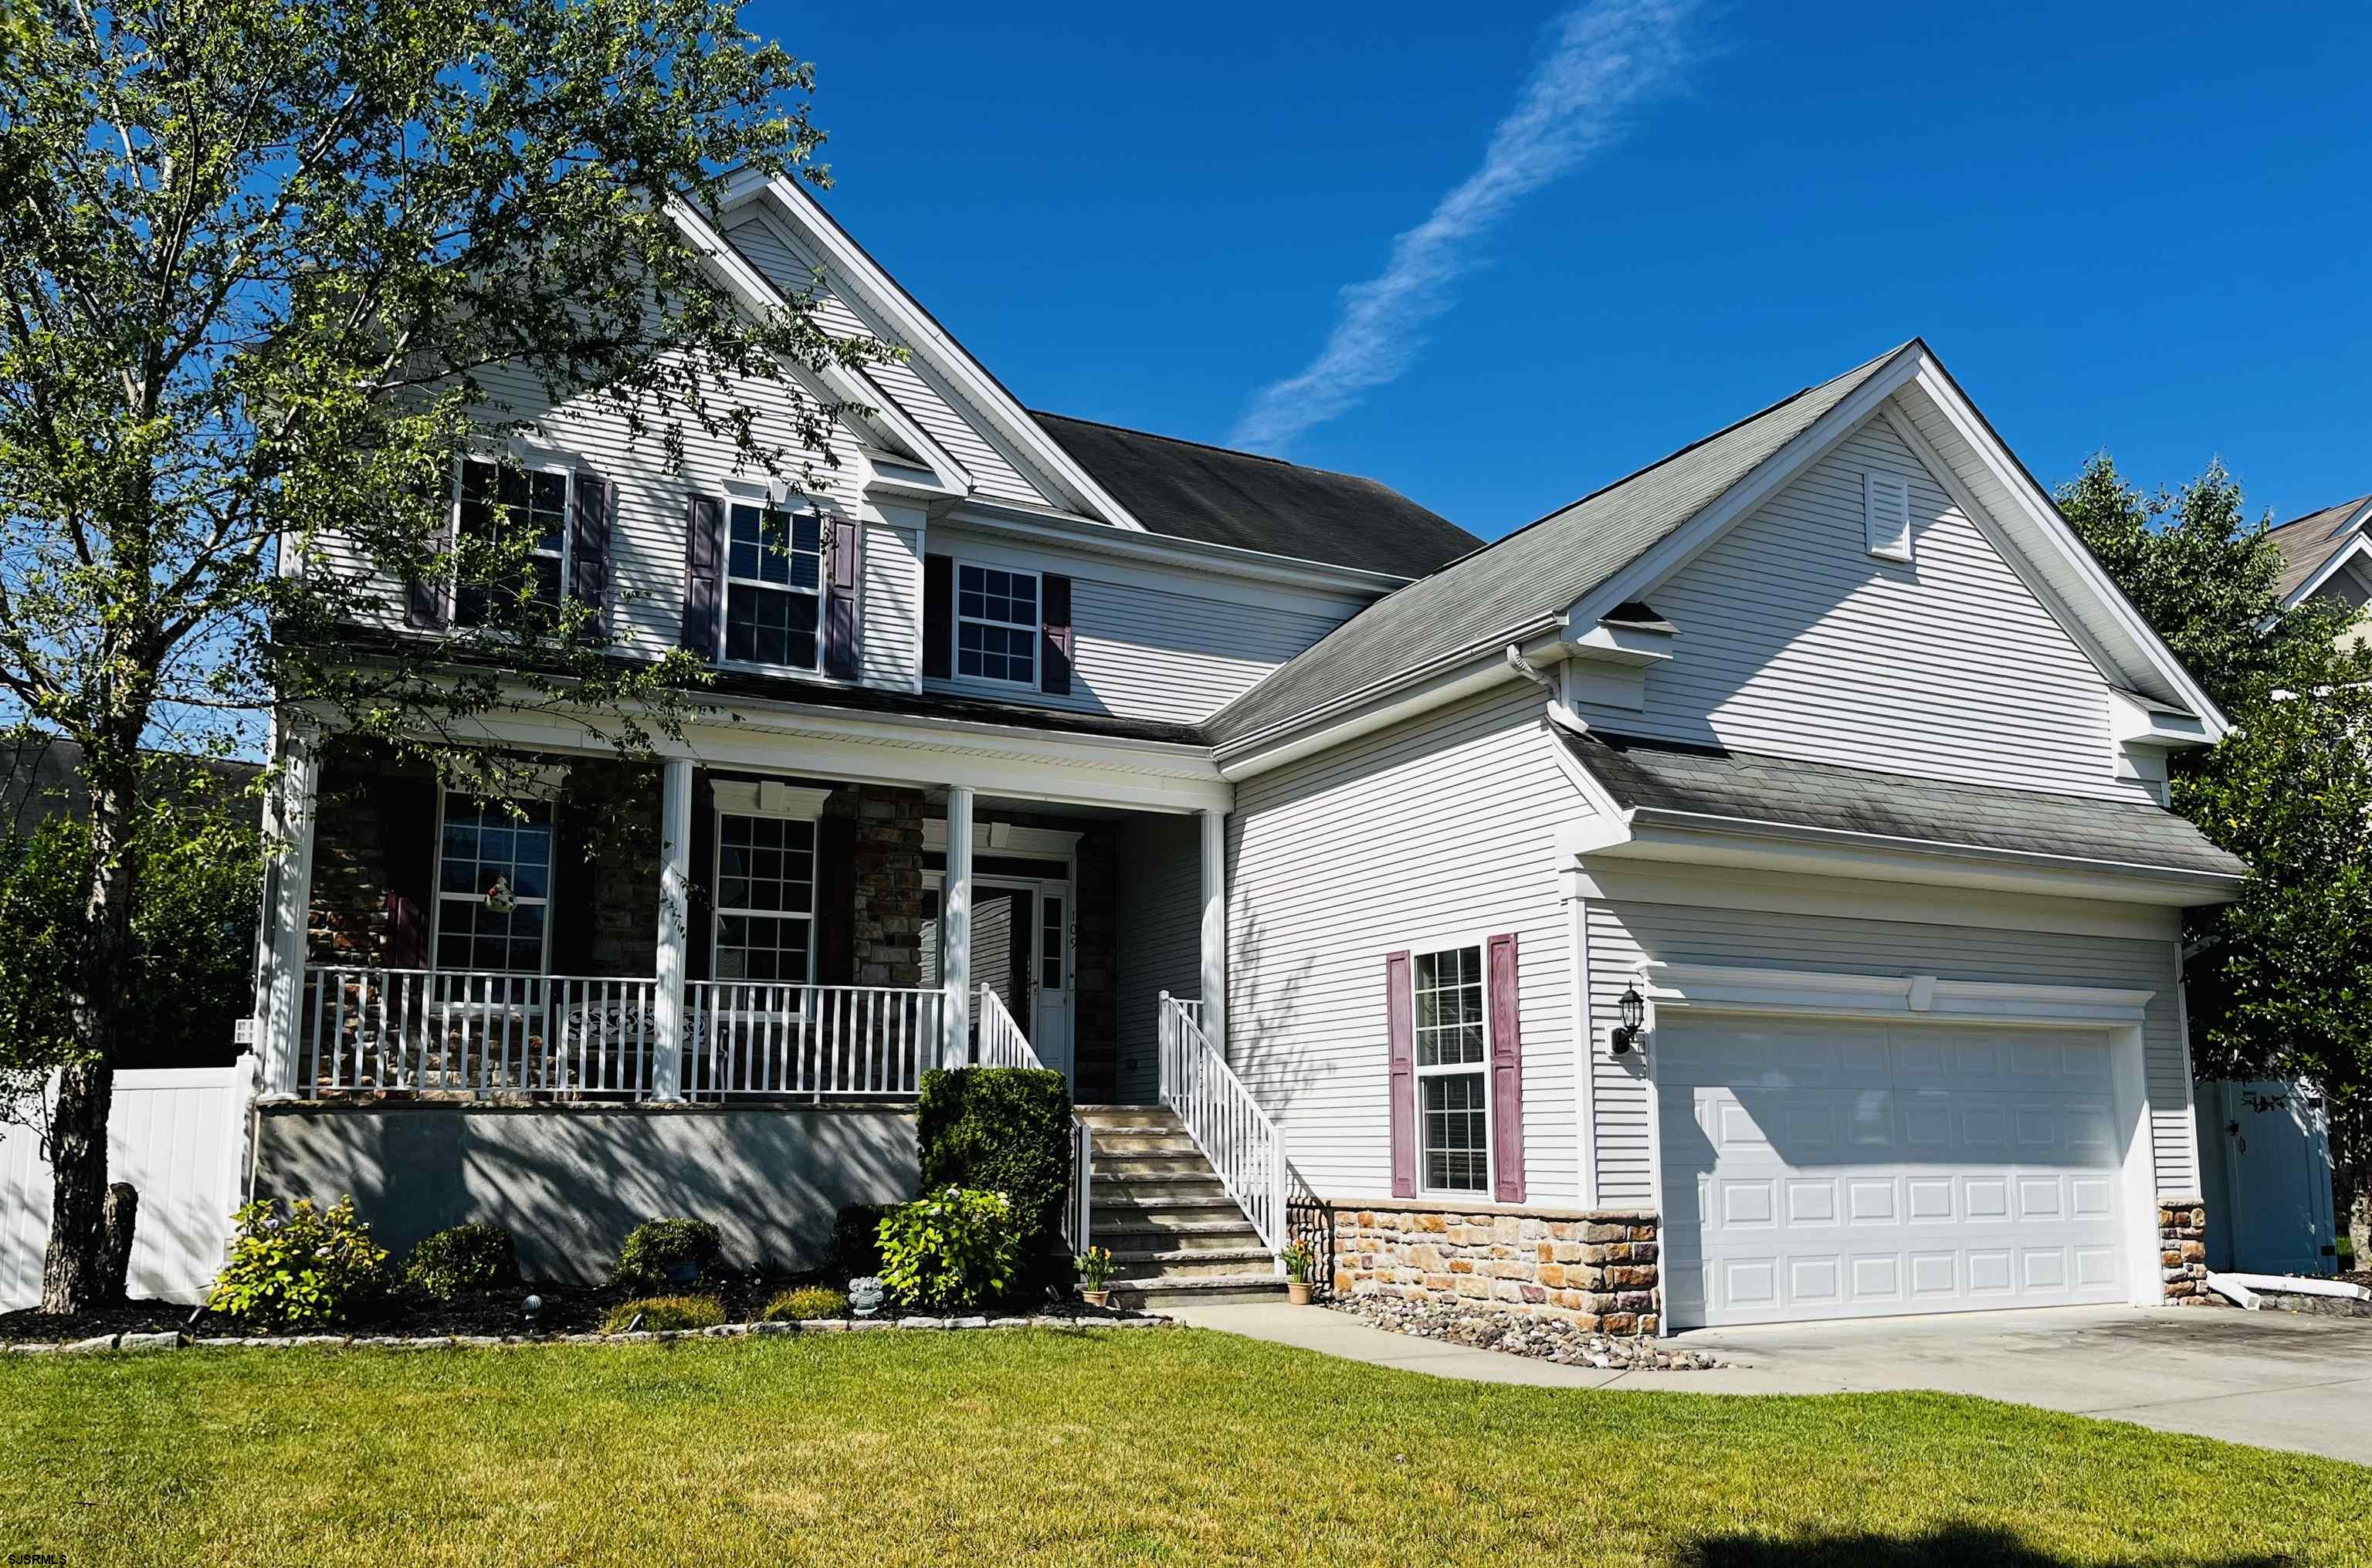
(1603, 58)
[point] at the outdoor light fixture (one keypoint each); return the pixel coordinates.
(1625, 1036)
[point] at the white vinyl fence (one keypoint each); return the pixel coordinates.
(178, 1135)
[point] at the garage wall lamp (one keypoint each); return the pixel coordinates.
(1624, 1036)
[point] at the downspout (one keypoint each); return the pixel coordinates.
(1577, 914)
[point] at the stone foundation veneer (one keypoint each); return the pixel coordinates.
(1595, 1268)
(2182, 1254)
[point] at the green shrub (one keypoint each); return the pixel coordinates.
(311, 1266)
(661, 1312)
(467, 1257)
(667, 1253)
(803, 1302)
(959, 1247)
(857, 1240)
(1004, 1130)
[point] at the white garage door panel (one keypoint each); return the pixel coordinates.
(1838, 1171)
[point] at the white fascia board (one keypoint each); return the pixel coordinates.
(832, 383)
(2354, 549)
(1084, 534)
(818, 740)
(1658, 834)
(1735, 988)
(1638, 580)
(867, 281)
(2051, 533)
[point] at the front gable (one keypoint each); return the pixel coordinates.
(1800, 631)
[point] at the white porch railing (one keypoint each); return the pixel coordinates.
(1243, 1144)
(747, 1037)
(998, 1041)
(378, 1029)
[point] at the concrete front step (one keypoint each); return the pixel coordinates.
(1136, 1143)
(1121, 1167)
(1102, 1116)
(1171, 1240)
(1160, 1200)
(1152, 1295)
(1184, 1262)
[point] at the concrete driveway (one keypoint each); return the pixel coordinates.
(2270, 1378)
(2262, 1377)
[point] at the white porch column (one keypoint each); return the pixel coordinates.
(955, 929)
(675, 926)
(1215, 929)
(290, 836)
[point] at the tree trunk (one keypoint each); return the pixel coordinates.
(121, 1218)
(73, 1274)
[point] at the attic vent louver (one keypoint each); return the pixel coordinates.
(1886, 511)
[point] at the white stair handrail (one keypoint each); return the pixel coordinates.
(1002, 1043)
(1243, 1141)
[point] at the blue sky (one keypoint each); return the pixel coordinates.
(2146, 227)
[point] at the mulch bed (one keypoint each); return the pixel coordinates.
(566, 1309)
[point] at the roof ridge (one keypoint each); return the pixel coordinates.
(1207, 447)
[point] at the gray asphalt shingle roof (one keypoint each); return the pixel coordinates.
(2308, 542)
(1222, 497)
(1532, 574)
(1704, 780)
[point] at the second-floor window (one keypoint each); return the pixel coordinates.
(536, 500)
(774, 586)
(996, 625)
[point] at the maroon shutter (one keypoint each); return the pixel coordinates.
(704, 572)
(423, 601)
(1399, 1006)
(589, 551)
(842, 623)
(938, 617)
(1055, 642)
(408, 812)
(835, 900)
(1507, 1070)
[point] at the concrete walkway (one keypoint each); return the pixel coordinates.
(2269, 1379)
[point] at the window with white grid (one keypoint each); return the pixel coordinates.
(1452, 1071)
(996, 625)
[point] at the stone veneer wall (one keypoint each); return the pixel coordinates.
(2182, 1254)
(888, 878)
(1595, 1268)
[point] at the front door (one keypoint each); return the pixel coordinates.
(1004, 923)
(1021, 950)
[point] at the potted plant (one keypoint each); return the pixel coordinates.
(1094, 1267)
(1297, 1260)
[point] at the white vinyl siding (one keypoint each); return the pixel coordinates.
(1623, 934)
(938, 409)
(1160, 939)
(1794, 640)
(1429, 832)
(893, 609)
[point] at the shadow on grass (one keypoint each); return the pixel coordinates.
(1956, 1546)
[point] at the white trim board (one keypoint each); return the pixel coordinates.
(1911, 998)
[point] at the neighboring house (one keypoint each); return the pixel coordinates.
(1745, 894)
(2327, 555)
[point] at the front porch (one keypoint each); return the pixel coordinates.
(774, 946)
(690, 932)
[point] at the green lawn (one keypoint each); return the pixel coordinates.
(1153, 1446)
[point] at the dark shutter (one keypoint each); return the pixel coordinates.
(700, 898)
(408, 814)
(1507, 1070)
(589, 551)
(423, 601)
(938, 617)
(835, 905)
(704, 572)
(1054, 639)
(481, 485)
(1399, 1008)
(843, 625)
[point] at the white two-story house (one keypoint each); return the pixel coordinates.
(1745, 894)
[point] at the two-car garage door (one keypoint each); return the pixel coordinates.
(1848, 1170)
